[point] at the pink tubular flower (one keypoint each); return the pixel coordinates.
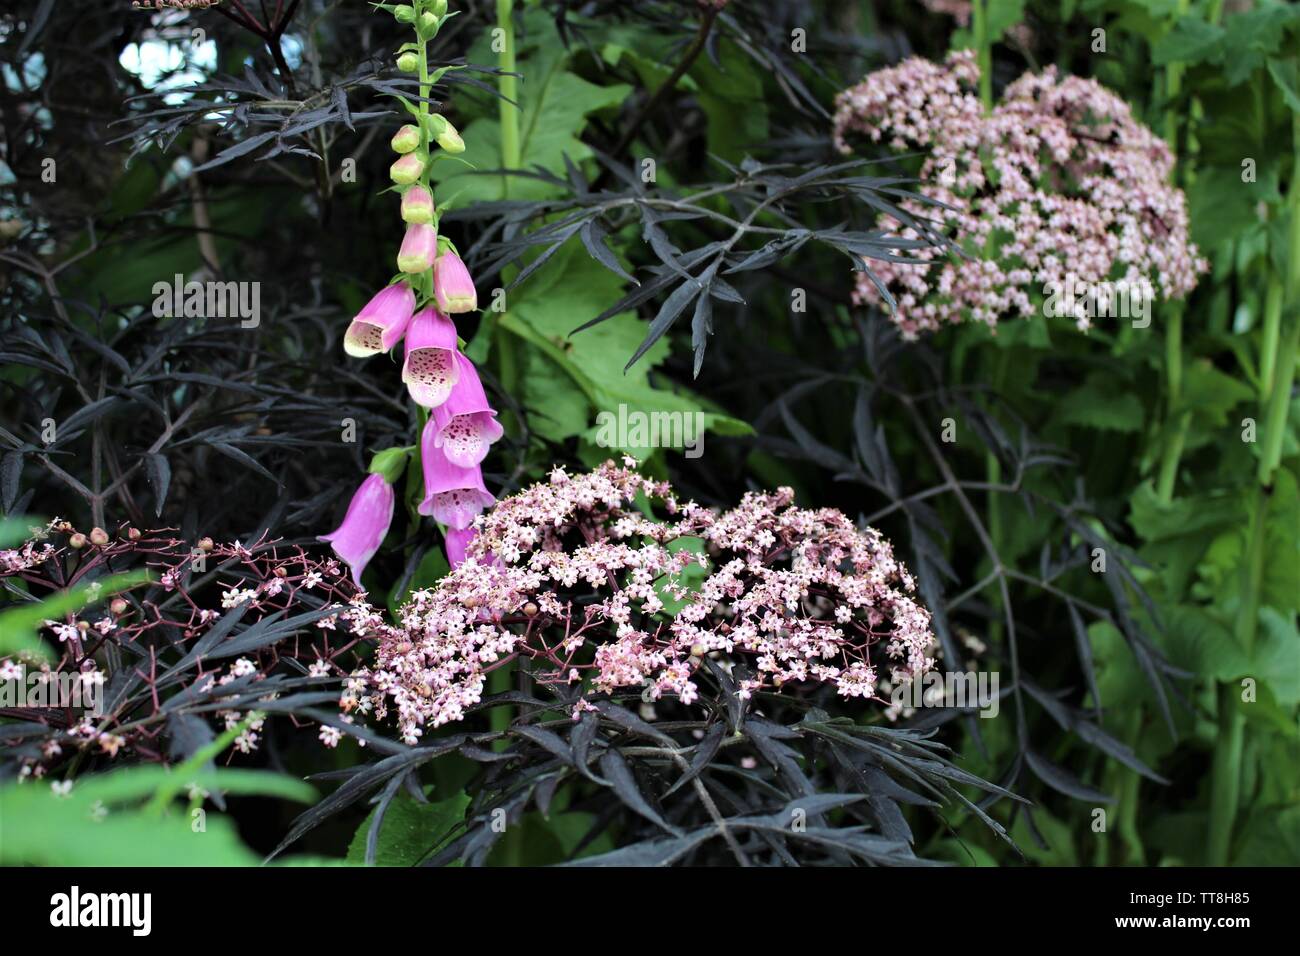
(453, 495)
(381, 323)
(458, 540)
(419, 248)
(365, 525)
(452, 284)
(465, 424)
(430, 370)
(417, 205)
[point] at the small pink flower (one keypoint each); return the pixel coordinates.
(452, 285)
(381, 322)
(457, 541)
(430, 369)
(419, 248)
(453, 495)
(365, 525)
(466, 425)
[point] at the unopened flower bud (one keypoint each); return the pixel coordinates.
(205, 544)
(409, 62)
(406, 139)
(83, 626)
(443, 133)
(530, 609)
(407, 169)
(419, 247)
(428, 23)
(77, 541)
(438, 8)
(404, 13)
(452, 285)
(118, 606)
(133, 534)
(417, 205)
(98, 537)
(450, 140)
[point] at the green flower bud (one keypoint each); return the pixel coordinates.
(434, 124)
(404, 13)
(409, 62)
(391, 463)
(406, 139)
(450, 140)
(428, 24)
(407, 169)
(438, 8)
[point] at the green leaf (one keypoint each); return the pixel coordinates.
(410, 830)
(1100, 403)
(555, 105)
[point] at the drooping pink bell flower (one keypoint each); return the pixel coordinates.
(457, 541)
(365, 525)
(381, 322)
(452, 495)
(466, 425)
(419, 248)
(452, 285)
(430, 369)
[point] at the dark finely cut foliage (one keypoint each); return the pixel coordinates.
(1081, 513)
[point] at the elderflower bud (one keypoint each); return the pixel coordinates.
(98, 537)
(77, 541)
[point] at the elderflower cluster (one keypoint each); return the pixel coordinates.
(606, 581)
(1057, 184)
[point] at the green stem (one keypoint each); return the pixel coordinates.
(1225, 786)
(1272, 332)
(984, 51)
(508, 84)
(1173, 449)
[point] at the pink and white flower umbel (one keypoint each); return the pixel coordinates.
(381, 323)
(430, 370)
(365, 525)
(419, 249)
(453, 495)
(465, 424)
(452, 285)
